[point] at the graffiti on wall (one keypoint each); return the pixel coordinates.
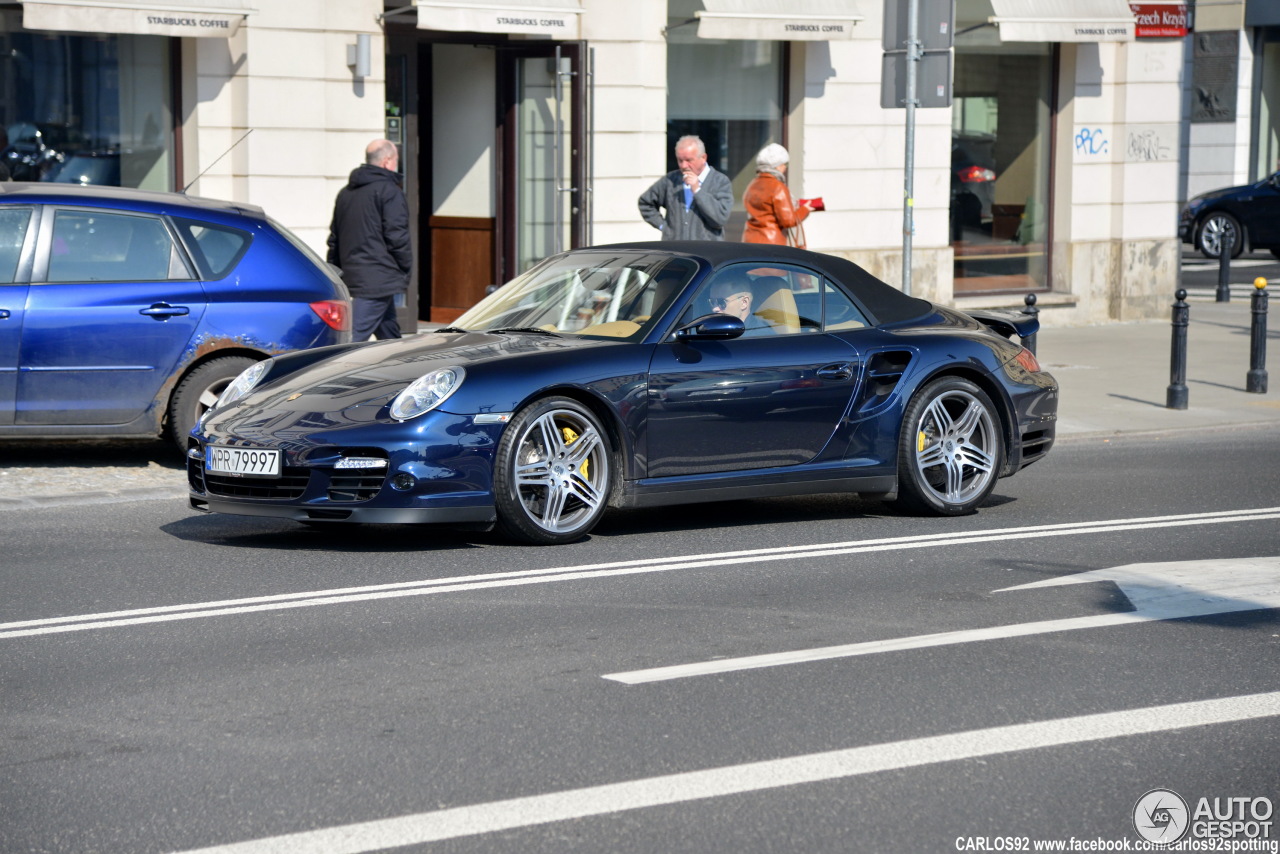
(1127, 144)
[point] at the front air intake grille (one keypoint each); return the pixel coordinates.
(195, 474)
(290, 485)
(355, 485)
(1035, 445)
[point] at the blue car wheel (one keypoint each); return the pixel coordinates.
(200, 390)
(552, 473)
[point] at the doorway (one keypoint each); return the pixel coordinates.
(544, 164)
(497, 134)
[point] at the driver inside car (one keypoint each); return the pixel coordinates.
(732, 294)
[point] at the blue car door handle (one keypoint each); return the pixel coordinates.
(163, 311)
(842, 371)
(4, 314)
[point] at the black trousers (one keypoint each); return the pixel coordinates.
(376, 317)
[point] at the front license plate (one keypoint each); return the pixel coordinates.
(242, 461)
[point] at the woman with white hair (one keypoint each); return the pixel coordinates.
(772, 216)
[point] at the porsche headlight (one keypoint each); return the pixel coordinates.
(244, 383)
(426, 393)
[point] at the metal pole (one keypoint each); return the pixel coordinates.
(908, 212)
(1029, 303)
(557, 178)
(589, 141)
(1256, 380)
(1176, 396)
(1226, 245)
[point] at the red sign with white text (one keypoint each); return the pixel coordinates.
(1161, 20)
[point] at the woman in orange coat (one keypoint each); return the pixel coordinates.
(770, 211)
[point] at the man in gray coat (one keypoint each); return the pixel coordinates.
(691, 203)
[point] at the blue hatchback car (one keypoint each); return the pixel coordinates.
(127, 312)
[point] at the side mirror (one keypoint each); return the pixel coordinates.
(711, 327)
(490, 289)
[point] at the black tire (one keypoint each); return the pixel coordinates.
(198, 391)
(950, 450)
(552, 473)
(1212, 230)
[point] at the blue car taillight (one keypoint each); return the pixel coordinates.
(335, 313)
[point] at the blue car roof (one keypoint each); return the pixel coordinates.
(127, 198)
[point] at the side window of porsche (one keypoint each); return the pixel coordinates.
(789, 298)
(841, 312)
(13, 231)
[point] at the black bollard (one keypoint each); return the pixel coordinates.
(1256, 380)
(1226, 245)
(1176, 398)
(1029, 301)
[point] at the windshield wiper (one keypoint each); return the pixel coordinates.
(534, 329)
(449, 329)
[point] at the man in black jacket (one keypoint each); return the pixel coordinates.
(369, 241)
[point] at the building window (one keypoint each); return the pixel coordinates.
(729, 93)
(1000, 133)
(86, 109)
(1266, 144)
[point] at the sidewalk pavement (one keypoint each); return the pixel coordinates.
(1113, 379)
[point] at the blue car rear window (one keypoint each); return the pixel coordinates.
(216, 248)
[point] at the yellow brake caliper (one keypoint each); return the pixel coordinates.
(569, 438)
(921, 441)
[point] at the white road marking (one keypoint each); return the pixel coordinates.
(1158, 591)
(1189, 588)
(1199, 263)
(752, 777)
(456, 584)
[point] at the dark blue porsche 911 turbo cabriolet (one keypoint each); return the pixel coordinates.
(636, 375)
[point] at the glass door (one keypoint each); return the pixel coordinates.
(1000, 156)
(545, 164)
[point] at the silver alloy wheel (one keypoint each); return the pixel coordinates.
(561, 468)
(956, 447)
(1214, 230)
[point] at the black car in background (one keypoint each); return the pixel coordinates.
(1249, 216)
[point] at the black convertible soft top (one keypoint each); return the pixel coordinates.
(886, 304)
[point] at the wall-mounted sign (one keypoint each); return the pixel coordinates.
(1215, 71)
(1161, 20)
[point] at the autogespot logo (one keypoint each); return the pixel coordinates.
(1161, 816)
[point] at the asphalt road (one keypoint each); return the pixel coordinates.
(171, 681)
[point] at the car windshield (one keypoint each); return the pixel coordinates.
(604, 294)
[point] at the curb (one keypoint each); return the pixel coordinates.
(1156, 432)
(106, 496)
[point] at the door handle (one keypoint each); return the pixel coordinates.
(164, 311)
(4, 314)
(842, 371)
